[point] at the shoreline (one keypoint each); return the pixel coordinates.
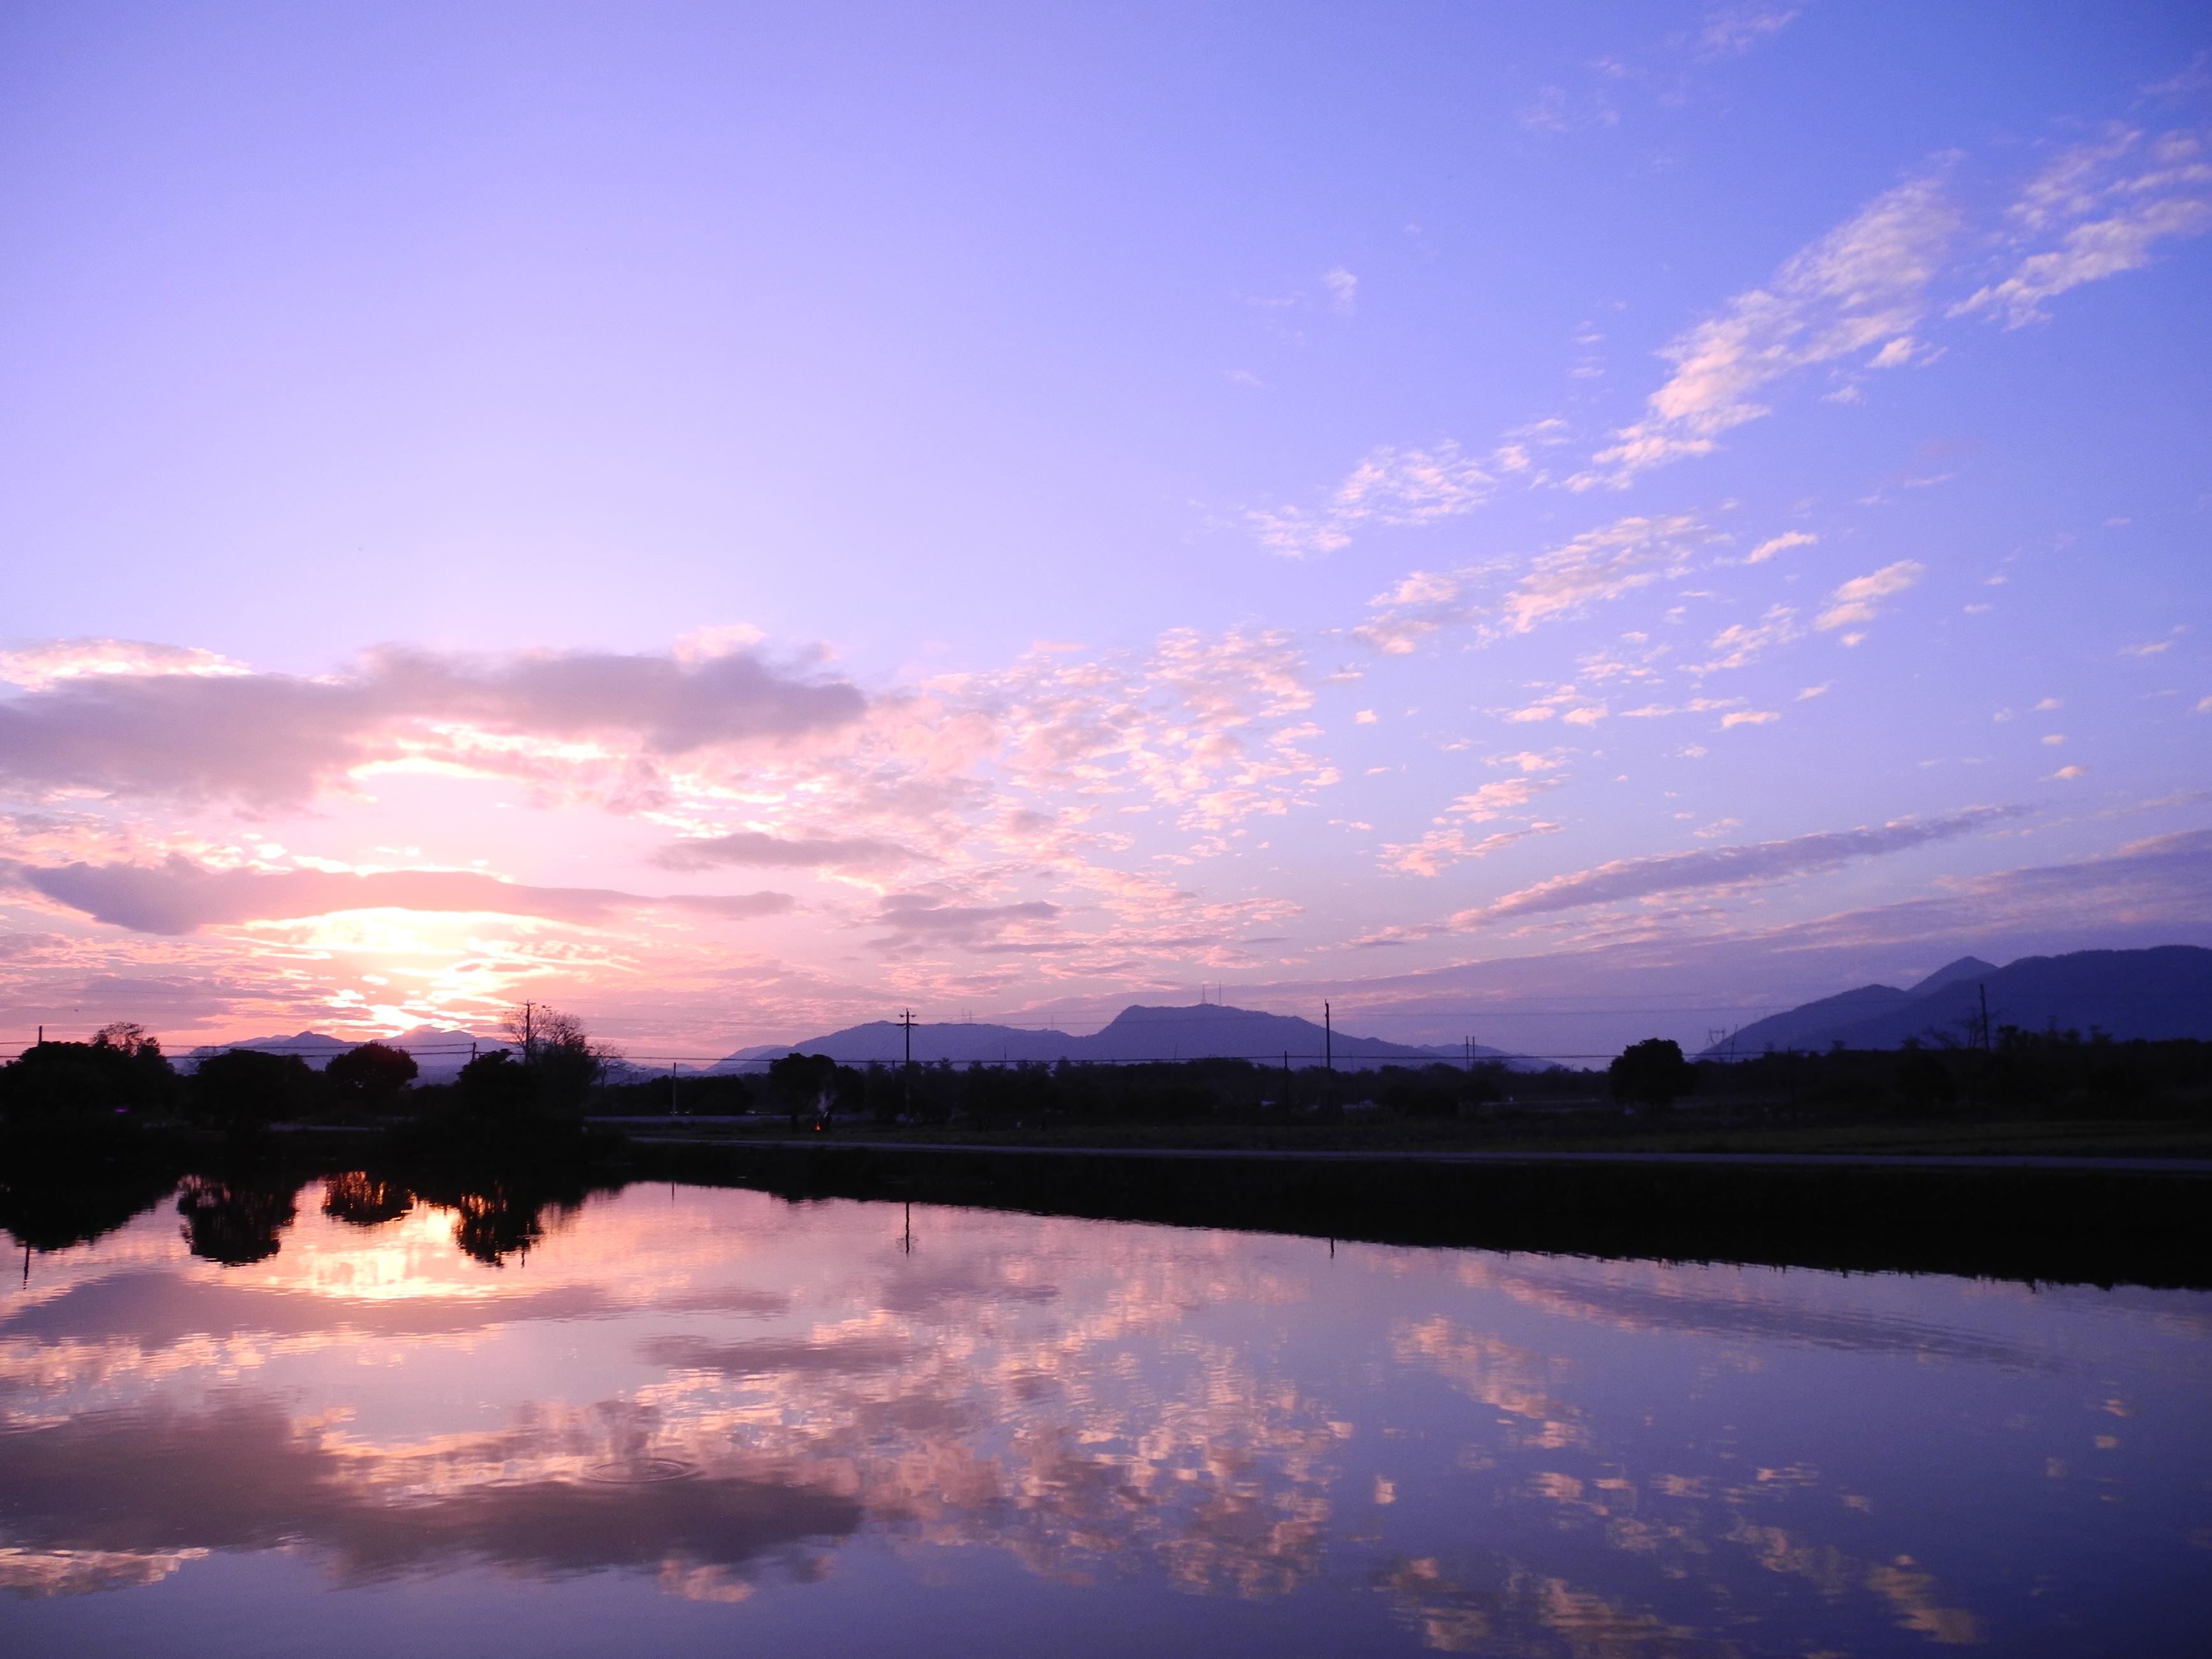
(2098, 1225)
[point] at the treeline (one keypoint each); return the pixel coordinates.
(2046, 1073)
(555, 1077)
(2041, 1073)
(122, 1075)
(810, 1088)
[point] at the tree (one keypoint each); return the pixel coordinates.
(804, 1083)
(560, 1056)
(371, 1074)
(120, 1069)
(1652, 1073)
(497, 1088)
(244, 1088)
(1925, 1080)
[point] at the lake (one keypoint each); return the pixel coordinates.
(681, 1419)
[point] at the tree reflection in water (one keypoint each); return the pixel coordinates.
(496, 1216)
(237, 1222)
(360, 1199)
(239, 1219)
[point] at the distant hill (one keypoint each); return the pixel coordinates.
(2165, 992)
(439, 1053)
(1206, 1030)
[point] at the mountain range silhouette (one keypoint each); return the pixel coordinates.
(2161, 993)
(1205, 1030)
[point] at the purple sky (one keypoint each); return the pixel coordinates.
(1547, 527)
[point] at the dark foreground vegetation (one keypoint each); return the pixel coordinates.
(556, 1079)
(92, 1133)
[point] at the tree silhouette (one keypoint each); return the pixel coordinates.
(242, 1089)
(804, 1083)
(1652, 1073)
(558, 1053)
(1924, 1079)
(497, 1088)
(122, 1068)
(370, 1075)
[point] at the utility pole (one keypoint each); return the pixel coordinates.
(906, 1075)
(672, 1088)
(1328, 1038)
(1985, 990)
(529, 1048)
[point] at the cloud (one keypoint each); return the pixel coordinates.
(265, 741)
(1857, 600)
(1393, 487)
(1749, 717)
(1449, 843)
(727, 907)
(38, 666)
(1198, 724)
(917, 919)
(1596, 566)
(1695, 706)
(1555, 110)
(1343, 290)
(752, 847)
(240, 1474)
(1731, 31)
(1440, 848)
(2109, 202)
(1740, 644)
(1757, 863)
(1859, 288)
(178, 895)
(1781, 544)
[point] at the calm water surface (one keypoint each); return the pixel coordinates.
(691, 1420)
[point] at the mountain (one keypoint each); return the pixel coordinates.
(2164, 992)
(1212, 1029)
(1205, 1030)
(1964, 968)
(1811, 1025)
(439, 1053)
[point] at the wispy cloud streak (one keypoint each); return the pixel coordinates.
(1705, 867)
(2108, 204)
(1862, 288)
(178, 895)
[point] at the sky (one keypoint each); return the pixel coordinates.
(1547, 524)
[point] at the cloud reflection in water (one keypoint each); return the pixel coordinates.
(728, 1396)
